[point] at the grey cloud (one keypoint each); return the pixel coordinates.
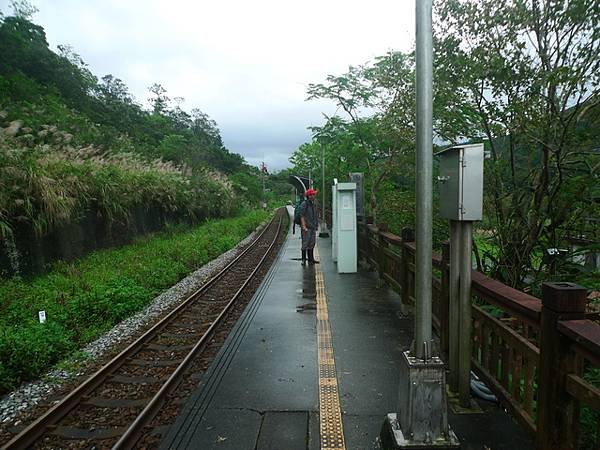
(262, 144)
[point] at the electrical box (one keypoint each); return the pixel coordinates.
(345, 203)
(461, 182)
(358, 178)
(334, 233)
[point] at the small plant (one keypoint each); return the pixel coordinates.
(74, 362)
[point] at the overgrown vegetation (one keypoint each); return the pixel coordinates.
(83, 299)
(535, 100)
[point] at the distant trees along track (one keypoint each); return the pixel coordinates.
(130, 400)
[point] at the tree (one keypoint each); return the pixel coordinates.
(159, 101)
(526, 75)
(23, 47)
(206, 129)
(379, 102)
(23, 9)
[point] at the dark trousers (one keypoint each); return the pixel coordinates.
(309, 238)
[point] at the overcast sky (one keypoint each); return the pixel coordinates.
(246, 64)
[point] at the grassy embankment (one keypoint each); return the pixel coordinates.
(83, 299)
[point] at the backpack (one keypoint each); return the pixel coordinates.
(298, 212)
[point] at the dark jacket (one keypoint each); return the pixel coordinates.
(308, 210)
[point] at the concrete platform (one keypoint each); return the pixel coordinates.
(261, 392)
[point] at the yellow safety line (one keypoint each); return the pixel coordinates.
(330, 414)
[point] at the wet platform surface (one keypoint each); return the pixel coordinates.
(261, 392)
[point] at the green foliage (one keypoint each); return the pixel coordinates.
(83, 299)
(23, 9)
(172, 147)
(247, 185)
(398, 211)
(75, 151)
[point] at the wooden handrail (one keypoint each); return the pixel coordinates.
(391, 238)
(517, 303)
(584, 336)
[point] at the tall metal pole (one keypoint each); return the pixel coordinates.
(424, 181)
(423, 418)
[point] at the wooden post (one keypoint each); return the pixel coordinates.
(368, 244)
(370, 248)
(381, 256)
(445, 300)
(408, 235)
(557, 411)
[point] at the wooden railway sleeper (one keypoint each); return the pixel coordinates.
(161, 363)
(76, 433)
(168, 348)
(101, 402)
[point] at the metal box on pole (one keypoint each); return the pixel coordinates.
(461, 182)
(346, 227)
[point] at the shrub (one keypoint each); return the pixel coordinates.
(27, 351)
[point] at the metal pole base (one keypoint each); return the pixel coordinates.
(423, 418)
(324, 233)
(392, 438)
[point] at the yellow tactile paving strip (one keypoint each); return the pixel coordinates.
(331, 429)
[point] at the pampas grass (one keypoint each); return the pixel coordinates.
(47, 187)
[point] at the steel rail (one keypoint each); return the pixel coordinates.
(132, 434)
(36, 429)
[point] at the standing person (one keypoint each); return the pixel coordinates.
(309, 224)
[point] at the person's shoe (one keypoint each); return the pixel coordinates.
(303, 258)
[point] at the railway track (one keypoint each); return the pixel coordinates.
(130, 400)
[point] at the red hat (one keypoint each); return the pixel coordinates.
(311, 192)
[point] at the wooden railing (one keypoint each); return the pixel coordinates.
(530, 352)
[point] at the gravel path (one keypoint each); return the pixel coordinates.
(31, 394)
